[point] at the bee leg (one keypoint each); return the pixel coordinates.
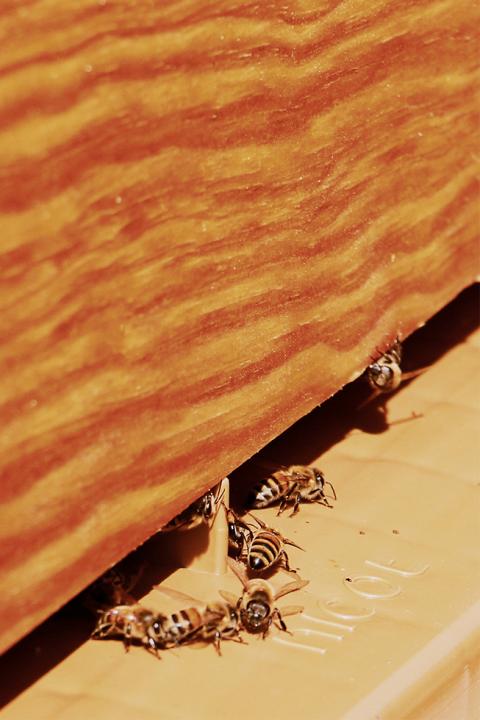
(286, 563)
(101, 631)
(287, 498)
(152, 647)
(322, 500)
(281, 624)
(267, 629)
(296, 504)
(239, 639)
(283, 506)
(127, 637)
(285, 560)
(216, 643)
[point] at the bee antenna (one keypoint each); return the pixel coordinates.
(259, 522)
(333, 489)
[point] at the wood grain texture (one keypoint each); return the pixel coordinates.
(212, 214)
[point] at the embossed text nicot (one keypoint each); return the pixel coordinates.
(319, 631)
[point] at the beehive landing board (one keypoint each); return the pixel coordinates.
(212, 214)
(394, 573)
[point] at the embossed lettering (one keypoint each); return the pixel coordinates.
(391, 566)
(372, 586)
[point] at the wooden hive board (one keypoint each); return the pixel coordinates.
(212, 215)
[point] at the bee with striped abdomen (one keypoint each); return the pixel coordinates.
(266, 548)
(214, 622)
(308, 485)
(202, 511)
(385, 374)
(292, 485)
(256, 605)
(131, 623)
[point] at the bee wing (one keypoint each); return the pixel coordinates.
(177, 595)
(211, 614)
(291, 610)
(229, 597)
(291, 587)
(239, 570)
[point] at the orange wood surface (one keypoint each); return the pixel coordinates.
(212, 213)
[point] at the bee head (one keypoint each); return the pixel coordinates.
(257, 612)
(319, 477)
(380, 376)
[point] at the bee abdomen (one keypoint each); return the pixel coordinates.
(264, 551)
(183, 624)
(268, 491)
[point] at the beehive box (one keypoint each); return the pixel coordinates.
(391, 622)
(212, 216)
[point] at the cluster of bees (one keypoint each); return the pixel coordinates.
(253, 548)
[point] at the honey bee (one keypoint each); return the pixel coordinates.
(213, 623)
(265, 548)
(256, 605)
(202, 511)
(239, 533)
(132, 623)
(221, 621)
(294, 484)
(385, 374)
